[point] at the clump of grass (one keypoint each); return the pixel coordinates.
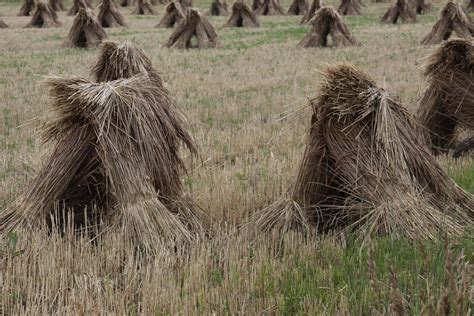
(463, 175)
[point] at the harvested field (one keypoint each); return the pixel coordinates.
(246, 101)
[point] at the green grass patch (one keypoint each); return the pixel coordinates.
(463, 176)
(361, 277)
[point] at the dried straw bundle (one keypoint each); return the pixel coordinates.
(57, 5)
(109, 15)
(173, 15)
(421, 6)
(399, 10)
(77, 5)
(85, 31)
(313, 8)
(453, 18)
(327, 22)
(298, 7)
(218, 8)
(270, 7)
(143, 8)
(194, 25)
(365, 169)
(242, 16)
(117, 152)
(448, 103)
(349, 7)
(136, 188)
(27, 8)
(3, 25)
(44, 16)
(256, 4)
(123, 60)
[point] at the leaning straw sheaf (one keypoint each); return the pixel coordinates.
(57, 5)
(349, 7)
(256, 4)
(44, 16)
(144, 175)
(77, 5)
(173, 15)
(270, 7)
(218, 8)
(59, 180)
(470, 6)
(143, 7)
(298, 7)
(128, 134)
(366, 170)
(122, 60)
(242, 16)
(109, 15)
(27, 8)
(453, 18)
(194, 25)
(400, 10)
(421, 6)
(327, 22)
(85, 31)
(448, 103)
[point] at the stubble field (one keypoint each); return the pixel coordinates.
(246, 104)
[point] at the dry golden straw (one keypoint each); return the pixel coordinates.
(27, 8)
(109, 15)
(77, 5)
(269, 7)
(85, 31)
(57, 5)
(193, 26)
(421, 6)
(44, 16)
(366, 170)
(349, 7)
(298, 7)
(174, 14)
(116, 162)
(313, 8)
(400, 10)
(242, 16)
(256, 4)
(453, 18)
(218, 8)
(327, 23)
(447, 106)
(122, 60)
(143, 7)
